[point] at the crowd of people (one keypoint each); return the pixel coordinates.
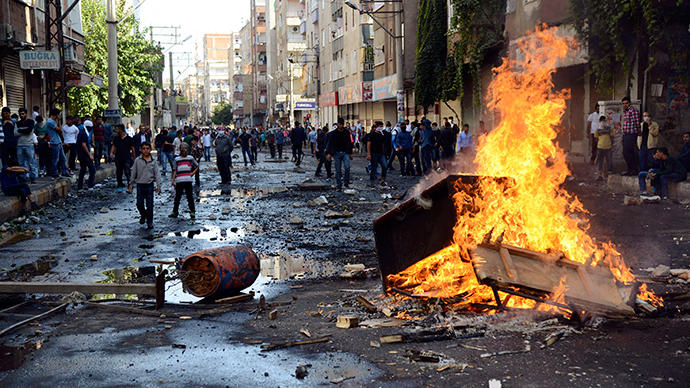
(32, 146)
(643, 155)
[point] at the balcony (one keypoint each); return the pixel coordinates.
(303, 28)
(238, 95)
(315, 16)
(338, 44)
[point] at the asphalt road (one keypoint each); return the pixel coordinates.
(94, 347)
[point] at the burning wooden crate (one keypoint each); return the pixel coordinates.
(424, 226)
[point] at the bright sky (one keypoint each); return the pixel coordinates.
(194, 18)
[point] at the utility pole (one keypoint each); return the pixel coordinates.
(399, 76)
(292, 96)
(112, 55)
(173, 107)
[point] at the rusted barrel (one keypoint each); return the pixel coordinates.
(221, 271)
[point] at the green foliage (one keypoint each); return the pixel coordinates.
(432, 50)
(222, 113)
(615, 31)
(476, 28)
(138, 61)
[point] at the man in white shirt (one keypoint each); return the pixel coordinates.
(34, 114)
(206, 141)
(178, 142)
(465, 143)
(130, 130)
(69, 136)
(593, 120)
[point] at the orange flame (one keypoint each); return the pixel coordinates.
(532, 211)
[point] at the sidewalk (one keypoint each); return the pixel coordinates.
(46, 190)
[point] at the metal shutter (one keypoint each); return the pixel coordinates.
(14, 83)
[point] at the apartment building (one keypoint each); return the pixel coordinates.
(216, 72)
(290, 62)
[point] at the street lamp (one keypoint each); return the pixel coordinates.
(292, 97)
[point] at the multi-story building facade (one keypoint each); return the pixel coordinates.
(234, 69)
(291, 49)
(26, 81)
(216, 80)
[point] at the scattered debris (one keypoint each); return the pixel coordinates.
(645, 306)
(461, 367)
(293, 343)
(94, 258)
(631, 201)
(211, 217)
(296, 221)
(179, 346)
(384, 322)
(341, 379)
(305, 332)
(273, 315)
(368, 305)
(226, 210)
(238, 298)
(527, 348)
(350, 191)
(493, 383)
(661, 271)
(347, 321)
(105, 209)
(552, 338)
(318, 201)
(301, 371)
(423, 355)
(332, 214)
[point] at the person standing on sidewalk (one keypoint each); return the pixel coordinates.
(223, 158)
(321, 141)
(340, 148)
(297, 136)
(122, 152)
(58, 154)
(85, 160)
(144, 173)
(244, 142)
(43, 150)
(98, 141)
(26, 153)
(375, 153)
(631, 128)
(647, 140)
(280, 141)
(185, 168)
(69, 136)
(593, 120)
(8, 140)
(604, 152)
(206, 141)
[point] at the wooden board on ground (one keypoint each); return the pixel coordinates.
(590, 288)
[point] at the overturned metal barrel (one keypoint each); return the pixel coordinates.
(219, 272)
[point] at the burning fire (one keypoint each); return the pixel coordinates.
(532, 211)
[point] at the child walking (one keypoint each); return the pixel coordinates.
(144, 173)
(185, 167)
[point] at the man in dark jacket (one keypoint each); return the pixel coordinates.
(223, 158)
(339, 147)
(684, 155)
(321, 141)
(297, 137)
(672, 170)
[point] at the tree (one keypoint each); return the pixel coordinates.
(476, 29)
(432, 50)
(222, 113)
(139, 60)
(616, 31)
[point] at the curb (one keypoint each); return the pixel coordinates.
(11, 207)
(629, 184)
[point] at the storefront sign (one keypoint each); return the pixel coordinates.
(385, 88)
(304, 105)
(352, 94)
(39, 60)
(330, 99)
